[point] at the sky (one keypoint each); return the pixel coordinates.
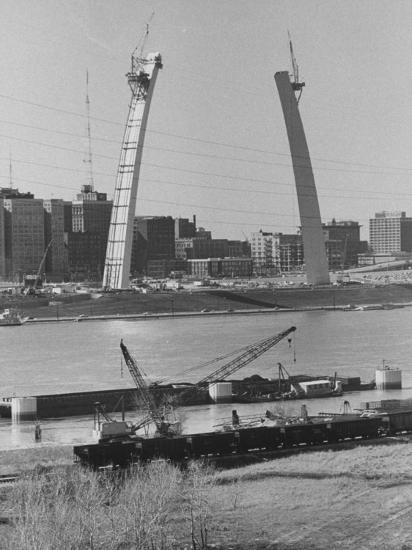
(216, 144)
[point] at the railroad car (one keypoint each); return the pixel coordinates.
(297, 434)
(242, 441)
(262, 437)
(172, 448)
(350, 428)
(398, 421)
(213, 443)
(119, 453)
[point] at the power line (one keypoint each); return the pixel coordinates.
(191, 153)
(54, 166)
(219, 143)
(291, 193)
(59, 147)
(239, 178)
(56, 109)
(60, 132)
(174, 203)
(205, 207)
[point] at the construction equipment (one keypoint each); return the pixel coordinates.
(32, 288)
(139, 49)
(294, 386)
(160, 417)
(154, 414)
(296, 85)
(249, 354)
(109, 428)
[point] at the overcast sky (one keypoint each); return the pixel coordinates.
(216, 143)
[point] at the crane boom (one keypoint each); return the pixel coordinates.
(38, 274)
(295, 82)
(142, 388)
(247, 356)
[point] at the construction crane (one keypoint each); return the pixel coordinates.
(296, 84)
(249, 354)
(33, 287)
(137, 54)
(154, 415)
(285, 378)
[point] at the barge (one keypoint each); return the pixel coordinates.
(254, 389)
(10, 317)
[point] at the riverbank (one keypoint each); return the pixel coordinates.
(205, 302)
(358, 498)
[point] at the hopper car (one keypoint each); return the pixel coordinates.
(241, 441)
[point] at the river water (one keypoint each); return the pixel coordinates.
(42, 358)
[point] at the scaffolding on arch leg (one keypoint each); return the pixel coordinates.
(141, 79)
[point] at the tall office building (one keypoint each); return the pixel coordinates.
(91, 211)
(289, 252)
(153, 245)
(263, 250)
(390, 232)
(184, 228)
(87, 241)
(23, 233)
(276, 252)
(343, 243)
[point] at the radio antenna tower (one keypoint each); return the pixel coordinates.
(141, 80)
(10, 171)
(89, 159)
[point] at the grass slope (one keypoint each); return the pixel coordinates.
(353, 499)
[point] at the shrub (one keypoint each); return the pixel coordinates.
(153, 507)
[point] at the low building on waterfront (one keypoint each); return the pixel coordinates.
(220, 267)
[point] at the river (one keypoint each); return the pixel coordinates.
(42, 358)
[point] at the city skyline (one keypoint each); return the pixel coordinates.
(217, 88)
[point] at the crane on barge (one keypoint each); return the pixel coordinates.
(247, 355)
(154, 414)
(244, 356)
(111, 429)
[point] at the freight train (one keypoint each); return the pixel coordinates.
(123, 451)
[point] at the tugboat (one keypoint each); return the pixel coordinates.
(11, 318)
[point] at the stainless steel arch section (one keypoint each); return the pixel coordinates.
(313, 239)
(141, 79)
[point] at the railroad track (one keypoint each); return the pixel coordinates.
(9, 478)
